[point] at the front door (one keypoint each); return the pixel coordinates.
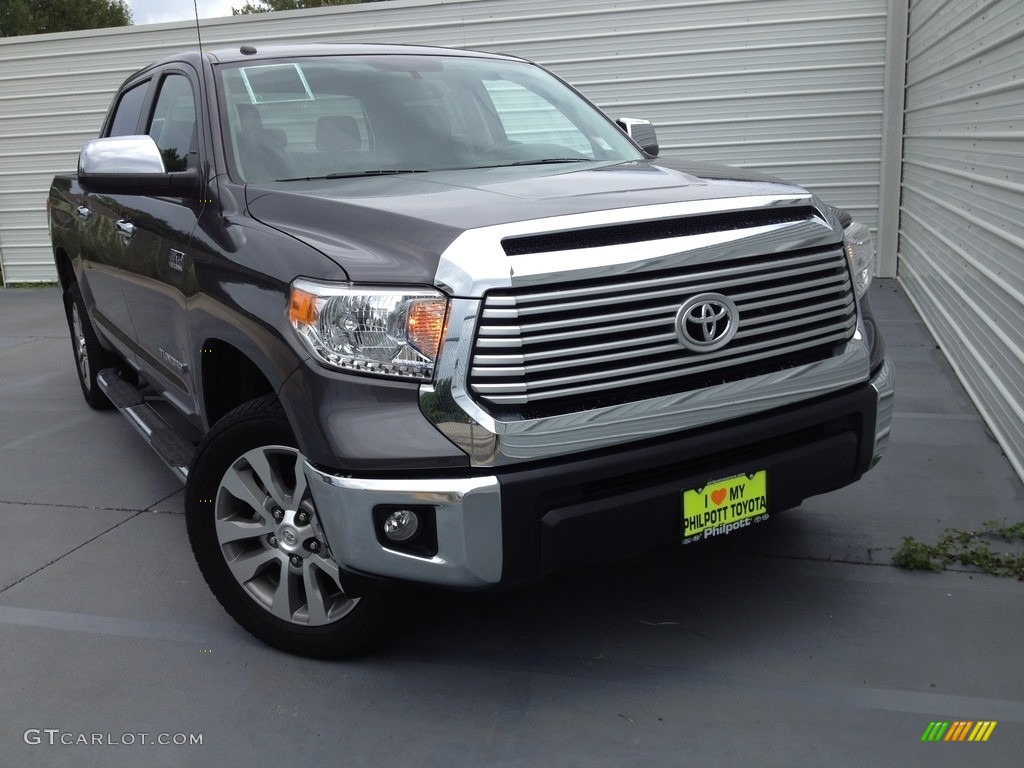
(158, 236)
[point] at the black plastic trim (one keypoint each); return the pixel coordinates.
(615, 503)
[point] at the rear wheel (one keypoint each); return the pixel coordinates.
(90, 356)
(257, 538)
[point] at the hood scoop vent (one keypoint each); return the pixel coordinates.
(663, 229)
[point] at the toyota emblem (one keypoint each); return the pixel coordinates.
(706, 322)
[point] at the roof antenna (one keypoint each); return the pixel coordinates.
(195, 4)
(205, 194)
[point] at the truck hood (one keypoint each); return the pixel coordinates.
(393, 229)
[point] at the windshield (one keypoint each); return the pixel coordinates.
(365, 115)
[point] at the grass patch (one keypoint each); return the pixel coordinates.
(41, 284)
(970, 548)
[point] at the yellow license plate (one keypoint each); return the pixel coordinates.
(725, 506)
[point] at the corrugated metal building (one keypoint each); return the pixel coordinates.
(811, 90)
(790, 87)
(961, 239)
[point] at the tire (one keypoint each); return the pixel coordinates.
(90, 356)
(252, 526)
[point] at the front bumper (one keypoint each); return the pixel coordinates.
(468, 520)
(524, 522)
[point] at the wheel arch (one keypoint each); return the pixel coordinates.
(355, 614)
(65, 269)
(228, 378)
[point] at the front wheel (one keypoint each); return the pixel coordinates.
(257, 539)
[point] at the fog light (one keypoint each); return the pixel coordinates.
(410, 529)
(401, 525)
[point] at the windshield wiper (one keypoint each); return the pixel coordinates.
(548, 160)
(375, 172)
(353, 174)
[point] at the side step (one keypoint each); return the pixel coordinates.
(175, 451)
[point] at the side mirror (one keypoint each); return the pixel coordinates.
(642, 132)
(131, 165)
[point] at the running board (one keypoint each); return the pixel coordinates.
(173, 449)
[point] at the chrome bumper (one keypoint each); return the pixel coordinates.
(468, 516)
(885, 385)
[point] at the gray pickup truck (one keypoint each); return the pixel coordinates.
(401, 315)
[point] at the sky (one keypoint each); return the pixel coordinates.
(158, 11)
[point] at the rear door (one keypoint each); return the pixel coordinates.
(102, 243)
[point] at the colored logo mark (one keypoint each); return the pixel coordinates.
(959, 730)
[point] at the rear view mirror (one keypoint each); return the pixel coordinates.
(642, 132)
(131, 165)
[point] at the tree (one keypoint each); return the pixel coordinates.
(35, 17)
(262, 6)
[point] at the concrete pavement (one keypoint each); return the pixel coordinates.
(795, 643)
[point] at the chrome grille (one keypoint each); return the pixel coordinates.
(582, 345)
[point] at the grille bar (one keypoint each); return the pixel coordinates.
(735, 349)
(504, 364)
(509, 336)
(611, 338)
(634, 308)
(493, 395)
(748, 268)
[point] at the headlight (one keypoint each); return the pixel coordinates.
(370, 330)
(861, 253)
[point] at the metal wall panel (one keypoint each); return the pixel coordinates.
(790, 87)
(961, 238)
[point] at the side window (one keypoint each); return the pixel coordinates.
(128, 111)
(529, 118)
(173, 125)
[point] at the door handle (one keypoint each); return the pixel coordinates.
(83, 212)
(125, 228)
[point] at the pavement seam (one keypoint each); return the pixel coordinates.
(58, 505)
(952, 568)
(70, 551)
(814, 559)
(152, 507)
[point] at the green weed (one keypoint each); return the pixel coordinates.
(969, 548)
